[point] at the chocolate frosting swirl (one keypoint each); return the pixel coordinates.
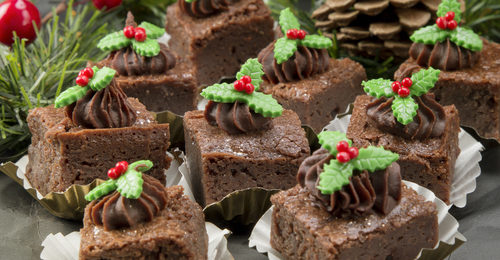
(106, 108)
(305, 63)
(380, 190)
(444, 55)
(235, 118)
(128, 63)
(429, 121)
(115, 211)
(204, 8)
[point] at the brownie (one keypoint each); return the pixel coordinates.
(217, 45)
(429, 162)
(319, 98)
(177, 232)
(62, 154)
(221, 163)
(301, 229)
(474, 91)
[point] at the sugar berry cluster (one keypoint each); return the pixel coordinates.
(294, 34)
(135, 32)
(447, 22)
(118, 170)
(84, 77)
(244, 84)
(346, 153)
(402, 88)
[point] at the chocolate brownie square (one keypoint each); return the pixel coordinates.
(474, 91)
(177, 232)
(301, 229)
(221, 163)
(217, 45)
(62, 154)
(319, 98)
(429, 162)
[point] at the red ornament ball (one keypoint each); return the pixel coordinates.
(249, 88)
(140, 34)
(246, 79)
(88, 72)
(404, 92)
(239, 85)
(452, 25)
(129, 31)
(343, 157)
(406, 82)
(396, 85)
(342, 146)
(121, 167)
(113, 174)
(301, 34)
(292, 34)
(108, 4)
(353, 152)
(82, 81)
(18, 16)
(449, 16)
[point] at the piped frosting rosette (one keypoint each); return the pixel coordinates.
(204, 8)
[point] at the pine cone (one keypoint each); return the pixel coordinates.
(375, 27)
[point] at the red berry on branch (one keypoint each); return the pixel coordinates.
(343, 157)
(301, 34)
(452, 25)
(108, 4)
(406, 82)
(121, 167)
(342, 146)
(239, 85)
(113, 174)
(82, 81)
(88, 72)
(449, 16)
(404, 92)
(18, 16)
(353, 152)
(249, 88)
(441, 23)
(292, 34)
(140, 34)
(395, 86)
(129, 31)
(246, 79)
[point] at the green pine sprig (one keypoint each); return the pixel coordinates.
(483, 17)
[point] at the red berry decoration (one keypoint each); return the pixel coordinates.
(18, 16)
(88, 72)
(82, 81)
(452, 25)
(246, 79)
(449, 16)
(249, 88)
(342, 146)
(292, 34)
(353, 152)
(396, 85)
(108, 4)
(301, 34)
(129, 31)
(404, 92)
(113, 174)
(140, 34)
(239, 85)
(121, 167)
(343, 157)
(441, 23)
(406, 82)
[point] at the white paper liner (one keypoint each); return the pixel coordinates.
(466, 167)
(67, 247)
(448, 225)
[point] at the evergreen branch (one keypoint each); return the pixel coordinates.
(483, 17)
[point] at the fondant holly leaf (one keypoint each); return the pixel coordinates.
(113, 41)
(450, 5)
(102, 78)
(429, 35)
(284, 48)
(252, 68)
(378, 88)
(259, 102)
(288, 21)
(316, 41)
(423, 81)
(70, 96)
(101, 190)
(466, 38)
(152, 31)
(373, 158)
(335, 175)
(129, 185)
(404, 109)
(329, 140)
(141, 166)
(147, 48)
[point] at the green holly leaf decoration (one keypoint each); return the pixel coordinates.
(329, 140)
(252, 68)
(450, 5)
(259, 102)
(288, 21)
(129, 184)
(102, 78)
(466, 38)
(113, 41)
(284, 48)
(423, 81)
(373, 158)
(141, 166)
(404, 109)
(316, 41)
(70, 96)
(152, 31)
(378, 88)
(430, 35)
(335, 175)
(101, 190)
(147, 48)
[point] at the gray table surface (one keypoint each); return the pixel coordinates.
(24, 223)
